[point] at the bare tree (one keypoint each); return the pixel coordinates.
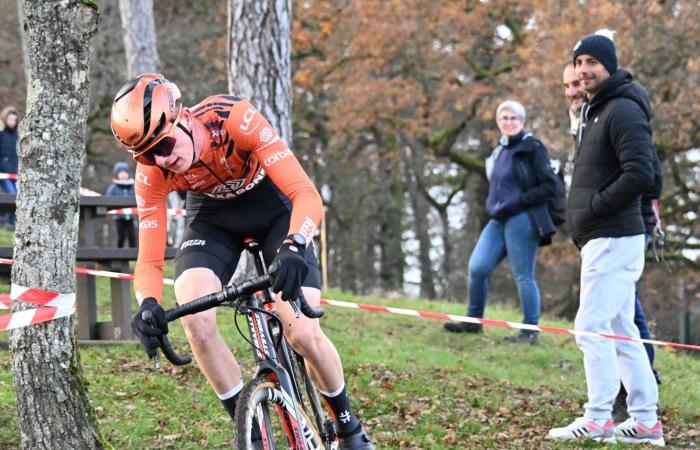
(53, 409)
(259, 58)
(139, 36)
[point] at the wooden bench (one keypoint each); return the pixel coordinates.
(93, 212)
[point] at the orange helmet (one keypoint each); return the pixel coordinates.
(145, 111)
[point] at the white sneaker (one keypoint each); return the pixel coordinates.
(583, 429)
(632, 432)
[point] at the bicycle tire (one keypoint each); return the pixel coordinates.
(262, 400)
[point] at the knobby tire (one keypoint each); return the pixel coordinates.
(262, 399)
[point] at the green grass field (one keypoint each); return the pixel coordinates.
(414, 385)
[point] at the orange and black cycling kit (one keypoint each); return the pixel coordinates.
(242, 152)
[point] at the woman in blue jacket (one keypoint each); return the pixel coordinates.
(521, 181)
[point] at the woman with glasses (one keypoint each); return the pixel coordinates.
(521, 181)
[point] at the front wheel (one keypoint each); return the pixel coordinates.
(265, 420)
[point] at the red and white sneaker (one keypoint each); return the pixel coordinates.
(633, 432)
(584, 429)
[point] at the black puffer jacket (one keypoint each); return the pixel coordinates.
(613, 162)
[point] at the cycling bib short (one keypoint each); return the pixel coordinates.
(215, 231)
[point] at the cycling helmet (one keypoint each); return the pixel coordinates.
(145, 111)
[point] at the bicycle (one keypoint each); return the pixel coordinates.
(274, 405)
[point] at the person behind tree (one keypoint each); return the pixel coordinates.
(9, 120)
(123, 184)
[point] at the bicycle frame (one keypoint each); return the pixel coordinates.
(275, 358)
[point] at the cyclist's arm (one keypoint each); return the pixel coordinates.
(249, 127)
(151, 192)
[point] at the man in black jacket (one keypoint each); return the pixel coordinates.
(612, 169)
(576, 95)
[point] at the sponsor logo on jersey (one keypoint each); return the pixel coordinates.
(140, 202)
(193, 243)
(277, 156)
(143, 179)
(198, 184)
(152, 223)
(222, 193)
(247, 118)
(229, 186)
(308, 229)
(147, 210)
(265, 134)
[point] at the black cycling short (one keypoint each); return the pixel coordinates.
(215, 231)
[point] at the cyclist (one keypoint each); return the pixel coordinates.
(241, 180)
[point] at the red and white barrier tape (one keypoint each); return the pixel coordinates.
(425, 314)
(499, 323)
(8, 176)
(171, 211)
(52, 305)
(6, 303)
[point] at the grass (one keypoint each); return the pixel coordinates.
(415, 386)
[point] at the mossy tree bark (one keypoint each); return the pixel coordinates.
(53, 410)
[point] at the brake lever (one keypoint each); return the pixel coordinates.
(147, 317)
(296, 305)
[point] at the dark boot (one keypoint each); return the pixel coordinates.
(523, 338)
(463, 327)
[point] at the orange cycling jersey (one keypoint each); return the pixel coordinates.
(241, 148)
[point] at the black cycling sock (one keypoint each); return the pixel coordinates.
(230, 406)
(346, 423)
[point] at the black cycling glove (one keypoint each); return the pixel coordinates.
(149, 332)
(288, 271)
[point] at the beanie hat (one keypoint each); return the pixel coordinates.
(601, 48)
(121, 167)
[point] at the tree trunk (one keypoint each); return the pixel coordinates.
(420, 225)
(391, 258)
(259, 58)
(53, 410)
(139, 32)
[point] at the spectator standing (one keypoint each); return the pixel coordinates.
(123, 184)
(576, 95)
(612, 168)
(9, 119)
(521, 181)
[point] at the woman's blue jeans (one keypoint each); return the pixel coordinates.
(515, 238)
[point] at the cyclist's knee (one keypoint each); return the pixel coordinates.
(307, 339)
(200, 328)
(194, 283)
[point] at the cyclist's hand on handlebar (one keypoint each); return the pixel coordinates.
(288, 271)
(148, 332)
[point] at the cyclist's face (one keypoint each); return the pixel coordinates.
(182, 156)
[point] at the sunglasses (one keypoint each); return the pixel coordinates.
(163, 146)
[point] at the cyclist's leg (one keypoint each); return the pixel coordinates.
(320, 355)
(206, 257)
